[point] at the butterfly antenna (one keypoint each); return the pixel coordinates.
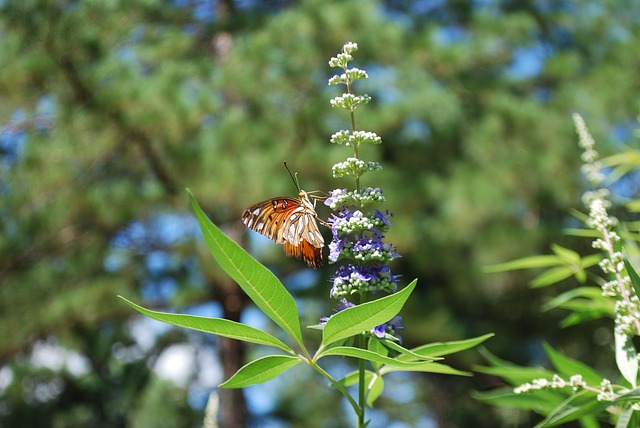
(294, 177)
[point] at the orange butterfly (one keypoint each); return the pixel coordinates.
(289, 221)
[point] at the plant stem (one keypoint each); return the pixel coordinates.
(353, 128)
(341, 388)
(361, 384)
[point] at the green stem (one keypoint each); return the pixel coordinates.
(353, 128)
(359, 411)
(361, 384)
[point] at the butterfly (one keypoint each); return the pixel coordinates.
(289, 221)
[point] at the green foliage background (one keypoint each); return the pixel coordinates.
(118, 106)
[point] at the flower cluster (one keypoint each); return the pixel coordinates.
(363, 197)
(575, 382)
(627, 306)
(354, 167)
(358, 232)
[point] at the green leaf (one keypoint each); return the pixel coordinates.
(566, 255)
(581, 404)
(376, 345)
(552, 276)
(540, 401)
(625, 419)
(514, 374)
(261, 370)
(218, 326)
(353, 377)
(445, 348)
(582, 317)
(568, 367)
(626, 358)
(633, 396)
(582, 233)
(525, 263)
(591, 260)
(635, 279)
(260, 284)
(425, 367)
(593, 293)
(406, 354)
(364, 317)
(365, 354)
(375, 386)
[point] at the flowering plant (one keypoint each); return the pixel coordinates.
(575, 391)
(367, 331)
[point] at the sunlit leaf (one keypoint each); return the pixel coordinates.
(364, 317)
(626, 357)
(260, 284)
(445, 348)
(261, 370)
(425, 367)
(217, 326)
(365, 354)
(376, 345)
(375, 386)
(633, 275)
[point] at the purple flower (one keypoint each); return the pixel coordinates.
(335, 247)
(391, 327)
(384, 218)
(350, 279)
(371, 250)
(342, 305)
(334, 196)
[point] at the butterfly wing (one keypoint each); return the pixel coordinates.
(291, 222)
(306, 252)
(270, 217)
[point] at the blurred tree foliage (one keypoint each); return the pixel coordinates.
(109, 110)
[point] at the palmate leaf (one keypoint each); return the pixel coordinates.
(218, 326)
(261, 370)
(260, 284)
(364, 317)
